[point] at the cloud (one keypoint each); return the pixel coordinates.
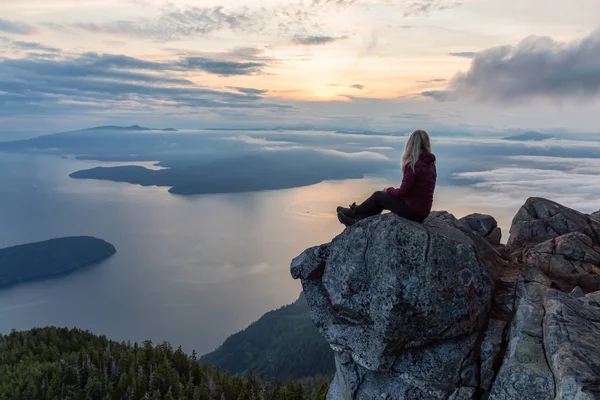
(315, 40)
(29, 86)
(411, 116)
(537, 67)
(426, 7)
(223, 68)
(362, 155)
(358, 86)
(34, 46)
(582, 165)
(296, 20)
(248, 90)
(513, 185)
(175, 23)
(341, 3)
(465, 54)
(247, 53)
(380, 148)
(257, 141)
(438, 80)
(439, 95)
(18, 28)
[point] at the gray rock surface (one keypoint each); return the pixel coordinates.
(596, 214)
(569, 254)
(577, 292)
(401, 303)
(533, 274)
(571, 329)
(540, 219)
(411, 311)
(490, 350)
(429, 373)
(551, 351)
(561, 242)
(388, 285)
(525, 373)
(463, 393)
(483, 225)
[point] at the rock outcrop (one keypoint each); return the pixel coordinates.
(550, 351)
(540, 220)
(561, 242)
(570, 260)
(442, 310)
(596, 214)
(402, 304)
(483, 225)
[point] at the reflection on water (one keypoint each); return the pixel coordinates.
(191, 270)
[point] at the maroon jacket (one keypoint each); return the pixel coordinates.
(418, 185)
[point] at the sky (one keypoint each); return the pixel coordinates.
(474, 65)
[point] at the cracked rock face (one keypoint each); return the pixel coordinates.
(525, 372)
(401, 303)
(550, 352)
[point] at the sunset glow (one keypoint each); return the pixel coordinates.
(107, 58)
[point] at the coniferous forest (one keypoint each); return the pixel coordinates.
(56, 363)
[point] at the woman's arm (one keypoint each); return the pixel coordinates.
(408, 180)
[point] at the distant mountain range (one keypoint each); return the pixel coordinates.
(284, 344)
(202, 163)
(128, 128)
(530, 136)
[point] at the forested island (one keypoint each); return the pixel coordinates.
(50, 258)
(53, 363)
(232, 175)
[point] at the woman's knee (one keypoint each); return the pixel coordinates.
(378, 195)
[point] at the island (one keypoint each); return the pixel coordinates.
(135, 128)
(49, 258)
(234, 175)
(530, 136)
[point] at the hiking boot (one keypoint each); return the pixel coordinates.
(347, 220)
(349, 212)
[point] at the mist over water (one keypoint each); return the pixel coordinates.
(190, 270)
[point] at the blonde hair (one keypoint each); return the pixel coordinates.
(417, 143)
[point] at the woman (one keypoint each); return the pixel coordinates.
(414, 198)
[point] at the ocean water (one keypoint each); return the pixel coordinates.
(190, 270)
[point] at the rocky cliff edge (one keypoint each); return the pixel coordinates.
(442, 310)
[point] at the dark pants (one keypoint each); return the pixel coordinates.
(380, 201)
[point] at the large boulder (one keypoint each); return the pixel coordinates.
(401, 303)
(483, 225)
(411, 312)
(561, 242)
(540, 219)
